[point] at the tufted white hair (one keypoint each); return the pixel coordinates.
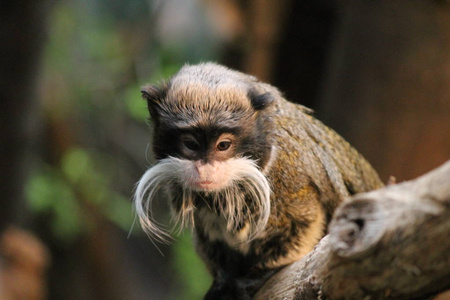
(246, 192)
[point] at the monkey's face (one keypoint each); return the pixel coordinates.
(210, 156)
(210, 150)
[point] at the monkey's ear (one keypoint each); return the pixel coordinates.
(260, 101)
(153, 94)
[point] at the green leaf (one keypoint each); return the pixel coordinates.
(48, 193)
(75, 164)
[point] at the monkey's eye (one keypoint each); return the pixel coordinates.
(191, 145)
(223, 145)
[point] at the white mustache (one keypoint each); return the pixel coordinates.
(245, 181)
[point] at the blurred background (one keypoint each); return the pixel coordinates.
(74, 134)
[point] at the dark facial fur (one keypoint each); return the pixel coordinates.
(256, 176)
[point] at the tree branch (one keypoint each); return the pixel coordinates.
(392, 243)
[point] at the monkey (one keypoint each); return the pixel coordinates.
(255, 176)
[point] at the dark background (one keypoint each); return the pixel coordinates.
(74, 134)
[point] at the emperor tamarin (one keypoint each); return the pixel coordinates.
(257, 177)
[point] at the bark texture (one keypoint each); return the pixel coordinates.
(391, 243)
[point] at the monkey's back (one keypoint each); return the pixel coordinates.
(313, 169)
(306, 147)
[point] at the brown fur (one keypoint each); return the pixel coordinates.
(308, 166)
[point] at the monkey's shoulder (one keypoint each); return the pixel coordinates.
(305, 142)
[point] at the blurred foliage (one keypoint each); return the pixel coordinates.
(80, 181)
(98, 55)
(194, 277)
(137, 108)
(47, 192)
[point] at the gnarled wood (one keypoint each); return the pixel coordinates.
(392, 243)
